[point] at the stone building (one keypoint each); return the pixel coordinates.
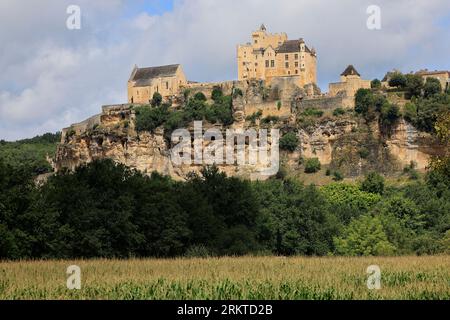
(273, 55)
(442, 76)
(144, 82)
(350, 83)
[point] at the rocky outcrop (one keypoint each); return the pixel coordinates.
(345, 143)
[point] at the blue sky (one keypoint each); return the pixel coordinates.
(52, 77)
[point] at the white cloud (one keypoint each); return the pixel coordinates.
(52, 76)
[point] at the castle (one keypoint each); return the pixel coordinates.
(271, 58)
(273, 55)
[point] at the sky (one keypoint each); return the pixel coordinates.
(52, 76)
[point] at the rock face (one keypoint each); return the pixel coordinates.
(343, 143)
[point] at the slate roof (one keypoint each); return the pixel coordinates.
(350, 71)
(144, 76)
(291, 46)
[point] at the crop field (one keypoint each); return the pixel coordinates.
(230, 278)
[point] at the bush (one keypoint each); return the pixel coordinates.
(269, 119)
(364, 237)
(148, 119)
(432, 86)
(373, 183)
(312, 165)
(375, 84)
(289, 141)
(216, 94)
(328, 172)
(397, 80)
(363, 152)
(312, 112)
(414, 85)
(255, 115)
(337, 176)
(237, 92)
(338, 112)
(156, 99)
(199, 96)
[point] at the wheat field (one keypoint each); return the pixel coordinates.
(230, 278)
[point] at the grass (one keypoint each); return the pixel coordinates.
(230, 278)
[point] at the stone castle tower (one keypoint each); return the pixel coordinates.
(273, 55)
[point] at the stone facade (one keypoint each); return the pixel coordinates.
(272, 55)
(144, 82)
(350, 83)
(442, 76)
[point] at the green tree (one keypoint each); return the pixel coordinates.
(364, 236)
(289, 141)
(398, 80)
(156, 99)
(414, 85)
(373, 183)
(375, 84)
(432, 86)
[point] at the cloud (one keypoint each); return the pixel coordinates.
(52, 76)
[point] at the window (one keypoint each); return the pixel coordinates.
(167, 85)
(296, 64)
(256, 64)
(286, 64)
(256, 41)
(243, 63)
(286, 57)
(296, 71)
(267, 63)
(272, 63)
(296, 56)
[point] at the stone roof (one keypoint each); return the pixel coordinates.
(144, 76)
(291, 46)
(350, 71)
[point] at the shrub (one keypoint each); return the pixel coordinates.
(414, 85)
(279, 105)
(338, 112)
(217, 93)
(375, 84)
(373, 183)
(289, 141)
(255, 115)
(312, 112)
(432, 86)
(156, 99)
(397, 80)
(328, 172)
(237, 92)
(199, 96)
(148, 119)
(312, 165)
(337, 176)
(269, 119)
(363, 152)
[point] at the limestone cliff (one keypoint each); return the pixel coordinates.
(345, 143)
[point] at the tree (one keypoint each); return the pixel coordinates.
(414, 85)
(373, 183)
(398, 80)
(156, 99)
(432, 86)
(364, 236)
(289, 141)
(375, 84)
(217, 93)
(199, 96)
